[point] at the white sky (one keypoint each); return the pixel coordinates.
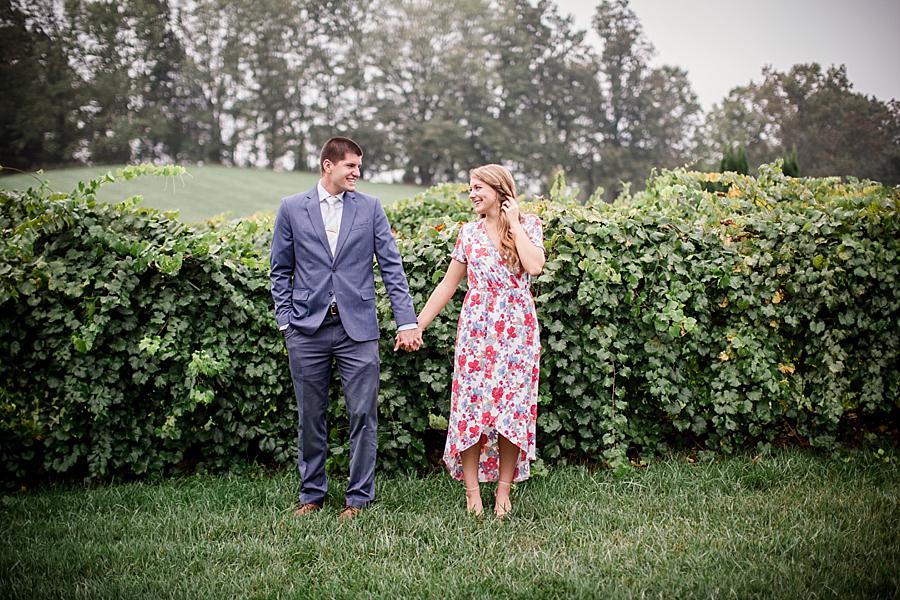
(725, 43)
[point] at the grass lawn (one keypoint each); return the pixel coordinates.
(793, 525)
(205, 191)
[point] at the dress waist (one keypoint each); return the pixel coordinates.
(499, 289)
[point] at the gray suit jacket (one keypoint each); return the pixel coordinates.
(304, 273)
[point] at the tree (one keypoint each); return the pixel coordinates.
(163, 117)
(643, 116)
(790, 164)
(106, 52)
(750, 116)
(285, 53)
(544, 82)
(429, 82)
(836, 130)
(735, 160)
(832, 129)
(204, 29)
(39, 91)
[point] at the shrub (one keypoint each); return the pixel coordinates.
(683, 318)
(135, 345)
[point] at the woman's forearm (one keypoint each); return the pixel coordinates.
(530, 256)
(442, 293)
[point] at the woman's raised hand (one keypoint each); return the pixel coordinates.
(511, 207)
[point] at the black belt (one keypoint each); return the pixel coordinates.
(333, 310)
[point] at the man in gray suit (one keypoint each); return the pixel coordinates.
(323, 285)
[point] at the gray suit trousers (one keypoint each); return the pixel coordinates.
(311, 358)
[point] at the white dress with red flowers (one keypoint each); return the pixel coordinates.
(496, 366)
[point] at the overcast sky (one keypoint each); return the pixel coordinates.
(725, 43)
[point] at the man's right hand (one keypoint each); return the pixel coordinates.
(409, 340)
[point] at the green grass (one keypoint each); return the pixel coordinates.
(206, 191)
(789, 526)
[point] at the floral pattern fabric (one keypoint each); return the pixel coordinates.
(497, 359)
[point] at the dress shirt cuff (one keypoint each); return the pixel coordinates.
(407, 327)
(283, 327)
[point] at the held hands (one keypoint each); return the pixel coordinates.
(409, 340)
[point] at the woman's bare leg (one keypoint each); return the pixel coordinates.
(469, 458)
(509, 454)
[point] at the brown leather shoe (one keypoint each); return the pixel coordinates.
(349, 513)
(307, 508)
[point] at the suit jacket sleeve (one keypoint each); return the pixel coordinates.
(391, 266)
(281, 260)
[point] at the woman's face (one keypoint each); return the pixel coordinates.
(483, 197)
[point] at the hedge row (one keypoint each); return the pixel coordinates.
(133, 344)
(680, 317)
(710, 312)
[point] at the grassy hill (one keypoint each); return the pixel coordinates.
(206, 191)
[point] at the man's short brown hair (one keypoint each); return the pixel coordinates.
(336, 148)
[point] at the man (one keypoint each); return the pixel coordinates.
(323, 285)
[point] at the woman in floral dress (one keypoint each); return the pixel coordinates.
(493, 407)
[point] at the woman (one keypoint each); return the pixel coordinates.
(493, 407)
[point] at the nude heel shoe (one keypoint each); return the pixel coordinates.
(501, 510)
(473, 501)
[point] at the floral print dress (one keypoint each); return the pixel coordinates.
(496, 365)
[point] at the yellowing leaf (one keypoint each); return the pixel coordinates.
(723, 356)
(778, 297)
(724, 302)
(787, 369)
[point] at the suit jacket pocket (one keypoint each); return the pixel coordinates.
(300, 302)
(359, 225)
(367, 294)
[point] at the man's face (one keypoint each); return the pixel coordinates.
(342, 175)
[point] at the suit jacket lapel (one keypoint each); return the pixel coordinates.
(347, 216)
(315, 217)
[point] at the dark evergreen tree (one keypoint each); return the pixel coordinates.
(791, 166)
(735, 160)
(39, 90)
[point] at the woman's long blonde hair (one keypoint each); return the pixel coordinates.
(499, 178)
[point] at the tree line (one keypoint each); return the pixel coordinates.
(428, 88)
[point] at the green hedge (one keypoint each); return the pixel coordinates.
(715, 321)
(132, 344)
(678, 317)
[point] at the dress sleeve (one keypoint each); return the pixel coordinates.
(459, 251)
(534, 230)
